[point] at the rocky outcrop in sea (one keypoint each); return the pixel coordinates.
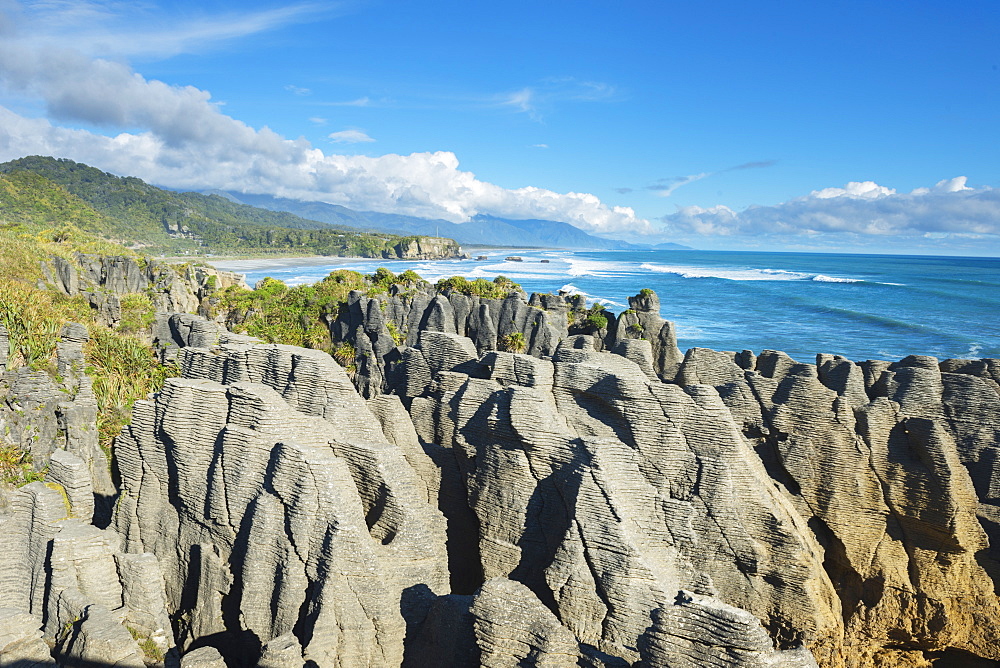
(598, 499)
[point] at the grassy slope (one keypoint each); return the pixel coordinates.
(134, 212)
(122, 367)
(40, 218)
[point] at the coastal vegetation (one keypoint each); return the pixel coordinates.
(121, 365)
(40, 220)
(36, 190)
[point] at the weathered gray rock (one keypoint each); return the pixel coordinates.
(702, 632)
(882, 483)
(99, 639)
(513, 628)
(281, 652)
(541, 322)
(61, 569)
(40, 414)
(564, 461)
(203, 657)
(21, 643)
(321, 529)
(72, 474)
(4, 348)
(708, 367)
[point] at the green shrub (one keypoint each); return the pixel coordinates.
(397, 336)
(512, 343)
(500, 287)
(346, 355)
(16, 468)
(123, 370)
(137, 313)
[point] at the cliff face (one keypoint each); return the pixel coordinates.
(428, 248)
(104, 280)
(598, 500)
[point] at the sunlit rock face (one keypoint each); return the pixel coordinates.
(594, 501)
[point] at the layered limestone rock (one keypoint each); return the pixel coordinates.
(279, 516)
(104, 280)
(386, 327)
(477, 507)
(67, 584)
(701, 632)
(872, 456)
(428, 248)
(606, 493)
(41, 414)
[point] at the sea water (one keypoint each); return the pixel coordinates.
(859, 306)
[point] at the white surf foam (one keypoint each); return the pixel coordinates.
(822, 278)
(744, 273)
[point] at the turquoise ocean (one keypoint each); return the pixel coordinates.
(859, 306)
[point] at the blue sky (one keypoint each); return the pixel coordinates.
(777, 125)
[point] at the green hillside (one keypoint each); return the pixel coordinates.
(40, 190)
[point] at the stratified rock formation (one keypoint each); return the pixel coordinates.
(597, 500)
(104, 280)
(42, 415)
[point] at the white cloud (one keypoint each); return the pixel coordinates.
(854, 189)
(138, 29)
(359, 102)
(950, 209)
(539, 99)
(177, 136)
(349, 137)
(539, 146)
(317, 120)
(295, 90)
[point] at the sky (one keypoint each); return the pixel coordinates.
(836, 126)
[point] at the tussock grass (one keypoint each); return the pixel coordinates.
(121, 366)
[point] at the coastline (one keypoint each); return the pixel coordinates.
(244, 265)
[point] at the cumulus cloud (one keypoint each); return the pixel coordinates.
(349, 137)
(865, 208)
(177, 136)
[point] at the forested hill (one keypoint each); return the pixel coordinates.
(42, 191)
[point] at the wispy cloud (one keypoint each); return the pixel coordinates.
(539, 146)
(760, 164)
(116, 28)
(295, 90)
(179, 137)
(358, 102)
(540, 99)
(316, 120)
(350, 137)
(665, 187)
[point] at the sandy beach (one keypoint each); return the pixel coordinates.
(242, 266)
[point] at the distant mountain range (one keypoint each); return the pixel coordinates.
(41, 193)
(37, 188)
(482, 230)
